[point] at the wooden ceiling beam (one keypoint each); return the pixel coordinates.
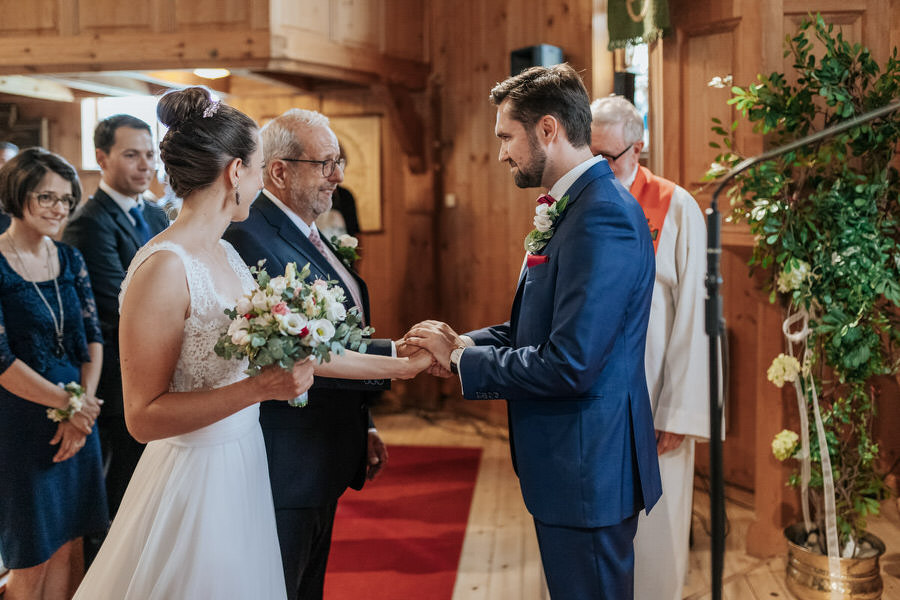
(35, 87)
(406, 122)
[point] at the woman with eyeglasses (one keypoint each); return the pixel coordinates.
(51, 476)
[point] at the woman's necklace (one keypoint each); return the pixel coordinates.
(58, 325)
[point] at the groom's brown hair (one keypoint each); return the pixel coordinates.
(556, 91)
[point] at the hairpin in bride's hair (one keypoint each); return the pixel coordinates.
(211, 109)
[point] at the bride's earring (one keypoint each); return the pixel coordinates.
(237, 195)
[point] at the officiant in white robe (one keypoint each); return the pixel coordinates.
(677, 354)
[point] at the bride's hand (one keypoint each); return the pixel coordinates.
(415, 363)
(279, 384)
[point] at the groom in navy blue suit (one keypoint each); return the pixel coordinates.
(570, 361)
(315, 452)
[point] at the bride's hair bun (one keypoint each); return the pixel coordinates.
(204, 136)
(175, 108)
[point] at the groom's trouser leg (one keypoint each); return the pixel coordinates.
(304, 535)
(596, 563)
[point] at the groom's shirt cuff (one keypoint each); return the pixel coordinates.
(468, 342)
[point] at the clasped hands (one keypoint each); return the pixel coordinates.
(436, 338)
(71, 435)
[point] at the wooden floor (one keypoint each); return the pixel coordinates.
(500, 558)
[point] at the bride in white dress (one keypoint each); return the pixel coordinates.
(197, 520)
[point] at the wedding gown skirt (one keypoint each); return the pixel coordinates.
(197, 521)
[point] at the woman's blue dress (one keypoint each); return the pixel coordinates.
(44, 504)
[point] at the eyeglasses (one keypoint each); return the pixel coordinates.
(611, 158)
(49, 200)
(328, 165)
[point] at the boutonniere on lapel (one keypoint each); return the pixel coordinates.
(345, 247)
(546, 214)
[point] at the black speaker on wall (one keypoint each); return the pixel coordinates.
(542, 55)
(623, 85)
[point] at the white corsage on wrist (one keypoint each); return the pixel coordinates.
(76, 402)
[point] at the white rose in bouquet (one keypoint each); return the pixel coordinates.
(335, 311)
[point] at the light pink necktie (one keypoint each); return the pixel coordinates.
(340, 270)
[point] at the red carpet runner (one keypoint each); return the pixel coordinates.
(400, 537)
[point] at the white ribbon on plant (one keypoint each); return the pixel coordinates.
(831, 535)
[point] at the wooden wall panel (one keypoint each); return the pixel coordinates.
(358, 23)
(113, 15)
(708, 54)
(213, 14)
(483, 217)
(29, 18)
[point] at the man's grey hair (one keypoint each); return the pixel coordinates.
(617, 109)
(279, 137)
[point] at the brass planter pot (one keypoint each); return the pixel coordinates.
(807, 571)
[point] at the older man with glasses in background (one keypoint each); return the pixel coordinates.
(676, 357)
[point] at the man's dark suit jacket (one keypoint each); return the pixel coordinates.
(570, 362)
(314, 452)
(108, 241)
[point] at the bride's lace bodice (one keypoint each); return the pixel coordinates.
(198, 365)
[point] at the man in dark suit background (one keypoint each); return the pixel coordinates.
(108, 229)
(570, 361)
(314, 452)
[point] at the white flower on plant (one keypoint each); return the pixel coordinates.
(322, 330)
(790, 281)
(335, 311)
(542, 220)
(717, 168)
(291, 323)
(783, 368)
(784, 444)
(348, 241)
(720, 82)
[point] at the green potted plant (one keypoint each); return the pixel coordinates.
(826, 221)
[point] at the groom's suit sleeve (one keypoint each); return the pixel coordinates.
(584, 291)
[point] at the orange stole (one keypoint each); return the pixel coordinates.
(654, 194)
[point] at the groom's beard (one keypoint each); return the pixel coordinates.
(530, 175)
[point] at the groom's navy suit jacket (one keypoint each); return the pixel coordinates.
(317, 451)
(570, 362)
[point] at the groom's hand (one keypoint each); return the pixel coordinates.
(436, 337)
(377, 455)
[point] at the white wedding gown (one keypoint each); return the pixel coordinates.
(197, 520)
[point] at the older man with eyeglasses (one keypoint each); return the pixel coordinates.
(676, 357)
(316, 452)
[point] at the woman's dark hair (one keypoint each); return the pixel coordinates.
(204, 136)
(556, 91)
(23, 174)
(105, 131)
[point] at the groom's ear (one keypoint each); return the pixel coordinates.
(547, 129)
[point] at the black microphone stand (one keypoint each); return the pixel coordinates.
(715, 328)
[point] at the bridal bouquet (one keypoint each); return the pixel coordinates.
(288, 319)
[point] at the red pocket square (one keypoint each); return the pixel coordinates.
(536, 259)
